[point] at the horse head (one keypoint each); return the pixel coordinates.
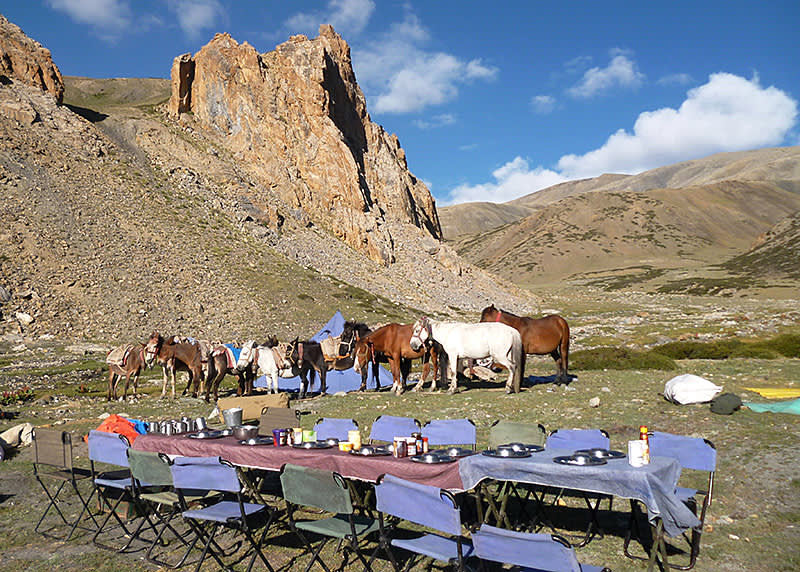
(351, 333)
(152, 348)
(489, 314)
(420, 333)
(246, 355)
(361, 354)
(272, 341)
(291, 354)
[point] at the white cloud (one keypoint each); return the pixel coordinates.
(436, 121)
(108, 18)
(402, 77)
(728, 113)
(675, 79)
(620, 72)
(543, 104)
(512, 180)
(348, 18)
(196, 16)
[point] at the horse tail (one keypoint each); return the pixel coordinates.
(444, 362)
(521, 369)
(564, 349)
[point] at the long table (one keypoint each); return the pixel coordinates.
(652, 484)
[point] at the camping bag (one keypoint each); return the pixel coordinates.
(689, 388)
(725, 404)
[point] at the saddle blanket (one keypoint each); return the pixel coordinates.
(119, 356)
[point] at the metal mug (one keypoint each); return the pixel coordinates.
(168, 429)
(200, 423)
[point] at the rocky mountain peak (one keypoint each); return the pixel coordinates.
(298, 121)
(25, 60)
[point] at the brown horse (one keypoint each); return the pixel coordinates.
(175, 356)
(125, 361)
(390, 343)
(548, 335)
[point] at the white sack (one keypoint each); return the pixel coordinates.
(689, 388)
(17, 436)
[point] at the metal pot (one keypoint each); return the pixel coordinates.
(233, 416)
(244, 432)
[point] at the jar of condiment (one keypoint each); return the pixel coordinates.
(644, 437)
(425, 448)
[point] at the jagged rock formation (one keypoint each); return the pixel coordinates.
(299, 122)
(26, 60)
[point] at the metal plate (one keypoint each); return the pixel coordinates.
(576, 462)
(313, 445)
(454, 452)
(432, 458)
(258, 441)
(206, 435)
(371, 451)
(602, 453)
(506, 453)
(521, 447)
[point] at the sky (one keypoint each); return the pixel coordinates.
(493, 100)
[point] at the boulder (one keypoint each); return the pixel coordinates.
(27, 61)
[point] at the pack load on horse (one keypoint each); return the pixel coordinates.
(391, 344)
(126, 360)
(486, 339)
(175, 355)
(540, 336)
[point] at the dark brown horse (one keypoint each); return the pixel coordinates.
(174, 356)
(548, 335)
(125, 361)
(391, 344)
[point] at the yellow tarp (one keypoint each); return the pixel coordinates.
(776, 392)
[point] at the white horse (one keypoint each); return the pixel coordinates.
(268, 361)
(485, 339)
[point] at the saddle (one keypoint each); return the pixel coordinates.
(119, 356)
(330, 348)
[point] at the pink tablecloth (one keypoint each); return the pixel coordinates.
(444, 475)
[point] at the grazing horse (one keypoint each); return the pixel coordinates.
(307, 357)
(128, 361)
(267, 359)
(390, 344)
(173, 356)
(548, 335)
(500, 342)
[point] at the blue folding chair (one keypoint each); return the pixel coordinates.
(191, 475)
(112, 487)
(427, 506)
(332, 427)
(387, 427)
(450, 432)
(575, 440)
(532, 550)
(698, 455)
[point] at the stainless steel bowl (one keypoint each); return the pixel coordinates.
(245, 432)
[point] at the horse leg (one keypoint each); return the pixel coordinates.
(127, 382)
(111, 384)
(395, 366)
(426, 369)
(323, 389)
(452, 375)
(164, 383)
(405, 369)
(136, 382)
(561, 376)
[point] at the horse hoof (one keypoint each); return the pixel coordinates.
(452, 391)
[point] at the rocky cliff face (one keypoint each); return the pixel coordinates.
(298, 121)
(25, 60)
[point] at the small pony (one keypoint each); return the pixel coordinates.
(173, 356)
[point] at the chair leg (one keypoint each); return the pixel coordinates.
(257, 546)
(120, 524)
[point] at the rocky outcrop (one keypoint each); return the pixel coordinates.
(298, 121)
(27, 61)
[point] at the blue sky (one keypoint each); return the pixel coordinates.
(494, 100)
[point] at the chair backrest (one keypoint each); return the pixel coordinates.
(205, 474)
(277, 418)
(150, 468)
(450, 432)
(387, 427)
(693, 453)
(503, 432)
(332, 427)
(421, 504)
(52, 447)
(317, 488)
(539, 551)
(110, 448)
(574, 439)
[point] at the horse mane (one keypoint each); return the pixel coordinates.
(507, 313)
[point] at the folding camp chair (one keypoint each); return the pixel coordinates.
(332, 427)
(497, 501)
(53, 463)
(450, 432)
(155, 496)
(534, 551)
(574, 440)
(191, 475)
(277, 418)
(327, 491)
(698, 455)
(427, 506)
(113, 487)
(387, 427)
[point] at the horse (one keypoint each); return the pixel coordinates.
(500, 342)
(307, 357)
(173, 355)
(351, 333)
(221, 363)
(128, 361)
(548, 335)
(266, 359)
(390, 344)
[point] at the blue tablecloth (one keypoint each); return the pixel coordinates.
(653, 484)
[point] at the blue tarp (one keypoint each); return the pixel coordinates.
(346, 380)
